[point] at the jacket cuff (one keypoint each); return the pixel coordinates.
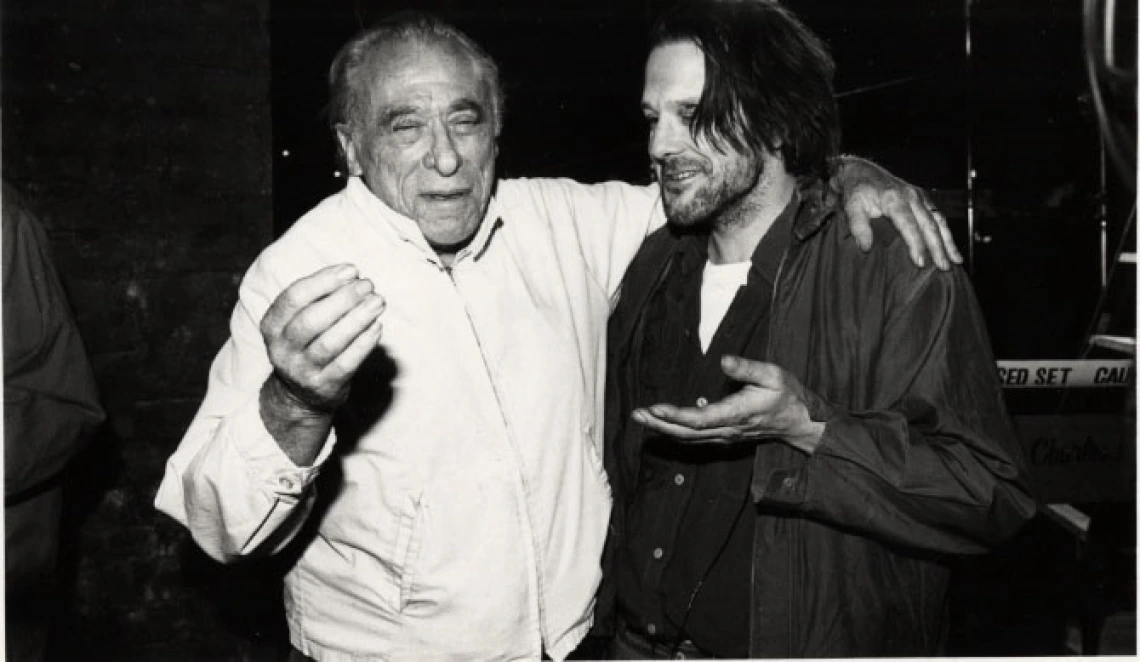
(788, 487)
(263, 457)
(819, 410)
(782, 488)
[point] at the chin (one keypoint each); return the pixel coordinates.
(452, 235)
(684, 216)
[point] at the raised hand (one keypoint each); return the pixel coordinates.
(318, 332)
(769, 406)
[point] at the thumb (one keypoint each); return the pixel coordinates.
(757, 373)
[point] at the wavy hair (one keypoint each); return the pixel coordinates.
(768, 80)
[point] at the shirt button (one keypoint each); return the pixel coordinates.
(702, 402)
(651, 628)
(679, 479)
(789, 483)
(658, 553)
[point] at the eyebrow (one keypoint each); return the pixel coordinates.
(467, 104)
(392, 114)
(396, 112)
(687, 104)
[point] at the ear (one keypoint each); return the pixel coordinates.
(348, 150)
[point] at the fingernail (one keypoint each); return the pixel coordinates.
(346, 272)
(363, 286)
(638, 416)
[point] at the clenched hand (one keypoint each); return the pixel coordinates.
(318, 332)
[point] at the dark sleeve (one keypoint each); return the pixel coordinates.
(50, 401)
(935, 462)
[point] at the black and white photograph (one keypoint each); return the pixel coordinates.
(568, 329)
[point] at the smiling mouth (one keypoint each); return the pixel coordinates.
(678, 176)
(676, 180)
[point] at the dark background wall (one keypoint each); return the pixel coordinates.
(167, 141)
(142, 131)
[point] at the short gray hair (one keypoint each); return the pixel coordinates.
(345, 99)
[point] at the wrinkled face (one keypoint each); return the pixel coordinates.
(425, 141)
(699, 182)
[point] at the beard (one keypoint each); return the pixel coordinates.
(709, 202)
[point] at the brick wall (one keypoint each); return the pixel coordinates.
(141, 130)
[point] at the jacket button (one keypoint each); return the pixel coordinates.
(702, 402)
(658, 553)
(789, 483)
(679, 479)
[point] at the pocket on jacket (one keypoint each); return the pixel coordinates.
(405, 553)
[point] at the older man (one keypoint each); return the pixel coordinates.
(840, 433)
(463, 503)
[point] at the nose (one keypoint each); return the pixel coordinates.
(667, 139)
(442, 155)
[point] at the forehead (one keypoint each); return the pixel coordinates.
(423, 73)
(675, 72)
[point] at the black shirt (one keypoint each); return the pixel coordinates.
(684, 572)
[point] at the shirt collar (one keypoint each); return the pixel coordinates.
(820, 204)
(408, 230)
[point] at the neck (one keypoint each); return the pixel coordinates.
(738, 230)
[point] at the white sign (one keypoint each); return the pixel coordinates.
(1066, 373)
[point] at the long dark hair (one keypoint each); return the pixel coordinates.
(768, 80)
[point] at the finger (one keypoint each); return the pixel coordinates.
(330, 344)
(345, 365)
(860, 222)
(718, 414)
(900, 214)
(318, 317)
(918, 207)
(758, 373)
(947, 236)
(681, 432)
(304, 291)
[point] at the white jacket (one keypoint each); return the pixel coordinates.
(469, 516)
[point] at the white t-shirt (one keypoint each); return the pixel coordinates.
(719, 284)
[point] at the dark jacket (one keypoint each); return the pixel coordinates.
(919, 460)
(50, 400)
